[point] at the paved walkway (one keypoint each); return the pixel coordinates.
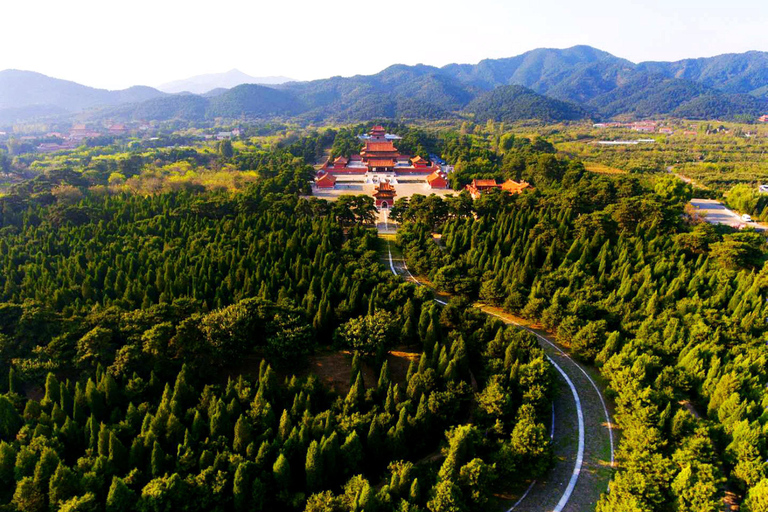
(716, 212)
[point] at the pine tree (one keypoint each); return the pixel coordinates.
(242, 486)
(45, 468)
(103, 441)
(120, 498)
(10, 420)
(282, 472)
(64, 484)
(28, 497)
(313, 467)
(356, 395)
(414, 493)
(14, 386)
(52, 392)
(118, 454)
(157, 462)
(352, 453)
(357, 367)
(242, 435)
(330, 452)
(7, 464)
(384, 378)
(284, 430)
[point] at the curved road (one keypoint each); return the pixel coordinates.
(582, 435)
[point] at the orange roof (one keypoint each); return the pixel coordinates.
(377, 128)
(484, 183)
(434, 176)
(381, 162)
(515, 187)
(326, 178)
(340, 160)
(379, 146)
(418, 159)
(384, 186)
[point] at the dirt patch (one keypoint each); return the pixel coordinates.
(334, 369)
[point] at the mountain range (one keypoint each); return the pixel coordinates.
(203, 84)
(546, 84)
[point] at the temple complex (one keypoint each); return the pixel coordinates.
(379, 154)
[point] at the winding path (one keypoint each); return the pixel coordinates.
(583, 441)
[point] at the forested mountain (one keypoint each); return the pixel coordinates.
(599, 82)
(514, 103)
(539, 69)
(247, 100)
(733, 72)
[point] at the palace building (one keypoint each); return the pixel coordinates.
(379, 154)
(384, 194)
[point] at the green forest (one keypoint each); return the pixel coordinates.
(672, 313)
(150, 346)
(163, 306)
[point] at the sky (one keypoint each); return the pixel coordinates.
(117, 43)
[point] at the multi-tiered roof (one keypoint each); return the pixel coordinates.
(379, 154)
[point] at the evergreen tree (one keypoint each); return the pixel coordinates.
(282, 472)
(120, 498)
(242, 435)
(314, 467)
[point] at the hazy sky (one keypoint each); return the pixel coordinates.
(118, 43)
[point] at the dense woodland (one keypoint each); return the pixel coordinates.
(159, 307)
(149, 341)
(672, 312)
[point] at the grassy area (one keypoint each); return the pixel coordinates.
(602, 168)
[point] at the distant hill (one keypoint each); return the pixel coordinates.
(202, 84)
(19, 89)
(514, 103)
(244, 101)
(397, 92)
(560, 85)
(540, 69)
(732, 72)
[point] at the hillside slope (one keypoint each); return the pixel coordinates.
(26, 88)
(514, 103)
